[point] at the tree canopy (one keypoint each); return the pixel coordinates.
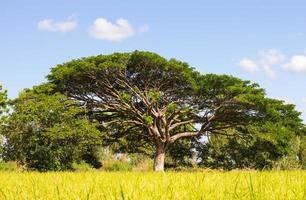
(156, 100)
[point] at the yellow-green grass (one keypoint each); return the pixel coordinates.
(149, 185)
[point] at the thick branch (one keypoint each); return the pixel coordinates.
(180, 123)
(184, 134)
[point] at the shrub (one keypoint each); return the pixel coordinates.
(82, 167)
(286, 163)
(144, 165)
(9, 166)
(117, 165)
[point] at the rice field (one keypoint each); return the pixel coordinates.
(149, 185)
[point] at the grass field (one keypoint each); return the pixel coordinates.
(148, 185)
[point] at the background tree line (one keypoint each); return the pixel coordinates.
(144, 106)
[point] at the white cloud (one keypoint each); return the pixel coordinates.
(57, 26)
(105, 30)
(296, 64)
(271, 57)
(270, 72)
(248, 65)
(266, 61)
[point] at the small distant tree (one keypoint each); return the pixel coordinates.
(3, 100)
(302, 150)
(3, 109)
(45, 132)
(156, 102)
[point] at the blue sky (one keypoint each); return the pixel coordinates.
(259, 40)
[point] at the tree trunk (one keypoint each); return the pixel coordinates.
(159, 161)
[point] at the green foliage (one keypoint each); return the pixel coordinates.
(9, 166)
(171, 108)
(148, 119)
(154, 96)
(125, 97)
(47, 132)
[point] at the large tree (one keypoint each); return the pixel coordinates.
(156, 101)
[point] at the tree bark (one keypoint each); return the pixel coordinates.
(159, 161)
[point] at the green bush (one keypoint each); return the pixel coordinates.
(144, 165)
(141, 162)
(81, 167)
(286, 163)
(8, 166)
(117, 165)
